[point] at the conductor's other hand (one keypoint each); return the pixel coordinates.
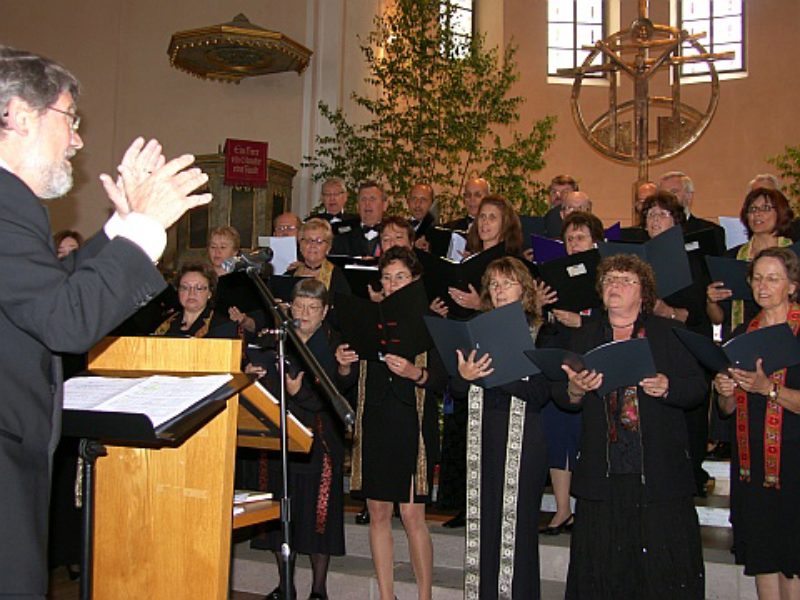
(150, 186)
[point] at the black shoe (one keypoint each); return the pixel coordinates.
(316, 596)
(276, 594)
(565, 525)
(362, 518)
(460, 520)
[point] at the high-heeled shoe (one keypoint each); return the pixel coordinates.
(362, 518)
(565, 525)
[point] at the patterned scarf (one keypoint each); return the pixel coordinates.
(773, 417)
(200, 332)
(628, 408)
(745, 253)
(325, 273)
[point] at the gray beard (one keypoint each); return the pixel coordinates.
(56, 180)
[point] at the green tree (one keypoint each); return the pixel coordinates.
(789, 165)
(442, 112)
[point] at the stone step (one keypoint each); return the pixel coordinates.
(352, 576)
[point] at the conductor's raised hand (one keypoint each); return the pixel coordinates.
(166, 193)
(472, 368)
(141, 159)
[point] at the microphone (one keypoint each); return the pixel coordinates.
(242, 262)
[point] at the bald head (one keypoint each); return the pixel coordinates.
(286, 225)
(575, 202)
(475, 190)
(420, 200)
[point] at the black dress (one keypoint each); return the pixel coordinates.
(517, 558)
(636, 533)
(766, 521)
(315, 479)
(387, 434)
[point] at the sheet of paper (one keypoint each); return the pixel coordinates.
(735, 232)
(159, 398)
(284, 252)
(458, 245)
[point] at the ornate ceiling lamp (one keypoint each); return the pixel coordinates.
(235, 50)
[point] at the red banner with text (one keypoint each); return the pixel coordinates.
(246, 163)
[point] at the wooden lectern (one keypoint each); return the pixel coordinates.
(163, 516)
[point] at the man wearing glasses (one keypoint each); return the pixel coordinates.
(681, 185)
(47, 305)
(334, 198)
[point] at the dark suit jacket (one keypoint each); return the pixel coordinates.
(47, 306)
(353, 243)
(553, 222)
(695, 224)
(460, 224)
(426, 223)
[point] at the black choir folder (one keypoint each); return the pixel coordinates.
(622, 363)
(573, 278)
(502, 332)
(359, 272)
(155, 410)
(776, 345)
(392, 326)
(441, 273)
(666, 253)
(732, 273)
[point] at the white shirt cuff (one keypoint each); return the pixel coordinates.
(144, 231)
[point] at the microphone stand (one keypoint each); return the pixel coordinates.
(285, 328)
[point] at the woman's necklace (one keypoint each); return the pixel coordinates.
(623, 326)
(310, 268)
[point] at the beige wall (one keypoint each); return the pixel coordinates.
(755, 119)
(118, 50)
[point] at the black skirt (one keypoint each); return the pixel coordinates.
(625, 547)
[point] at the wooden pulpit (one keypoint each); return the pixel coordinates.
(163, 516)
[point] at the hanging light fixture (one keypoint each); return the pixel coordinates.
(235, 50)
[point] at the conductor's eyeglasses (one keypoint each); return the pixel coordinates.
(74, 120)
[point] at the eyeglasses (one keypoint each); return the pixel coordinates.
(332, 194)
(571, 209)
(310, 308)
(197, 289)
(768, 279)
(763, 208)
(74, 120)
(398, 278)
(314, 241)
(285, 227)
(653, 214)
(506, 285)
(619, 280)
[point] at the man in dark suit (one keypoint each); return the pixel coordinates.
(475, 190)
(363, 237)
(560, 186)
(334, 198)
(679, 183)
(420, 201)
(48, 305)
